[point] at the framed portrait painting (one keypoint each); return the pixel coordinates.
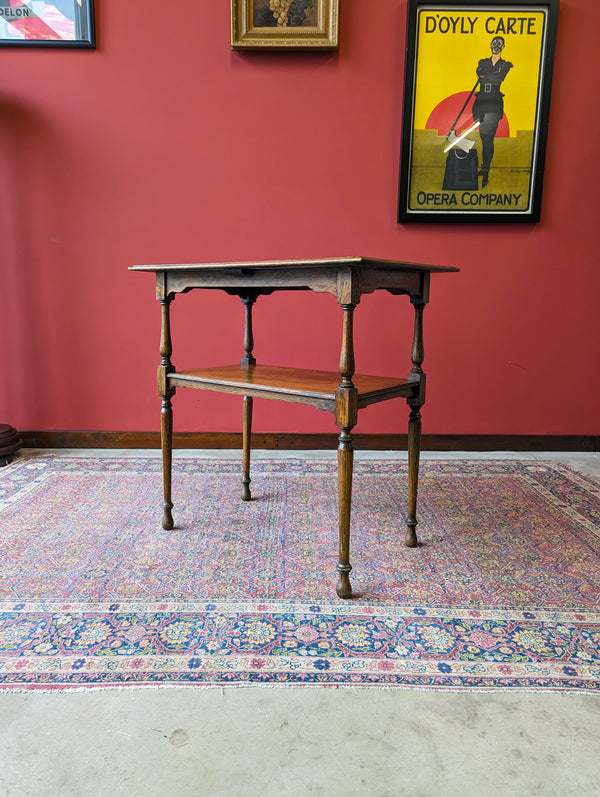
(47, 23)
(476, 108)
(284, 24)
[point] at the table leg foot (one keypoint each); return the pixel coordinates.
(411, 534)
(344, 588)
(167, 521)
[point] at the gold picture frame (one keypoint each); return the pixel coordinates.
(284, 24)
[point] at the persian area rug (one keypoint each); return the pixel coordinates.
(503, 591)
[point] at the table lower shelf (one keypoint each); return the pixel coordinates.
(304, 386)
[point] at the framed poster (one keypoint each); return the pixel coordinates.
(476, 104)
(284, 24)
(47, 23)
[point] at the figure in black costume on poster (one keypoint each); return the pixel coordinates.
(488, 107)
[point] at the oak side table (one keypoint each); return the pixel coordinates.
(343, 393)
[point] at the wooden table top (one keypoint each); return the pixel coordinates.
(321, 263)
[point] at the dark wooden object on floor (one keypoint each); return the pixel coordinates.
(10, 443)
(343, 393)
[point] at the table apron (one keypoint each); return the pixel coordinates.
(346, 284)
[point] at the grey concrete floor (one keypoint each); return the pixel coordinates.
(302, 741)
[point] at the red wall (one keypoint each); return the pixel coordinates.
(163, 145)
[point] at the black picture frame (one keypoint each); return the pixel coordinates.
(476, 153)
(52, 23)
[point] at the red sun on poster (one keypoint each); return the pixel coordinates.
(446, 112)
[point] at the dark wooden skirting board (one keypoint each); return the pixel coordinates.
(304, 442)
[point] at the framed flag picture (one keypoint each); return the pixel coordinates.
(47, 23)
(476, 107)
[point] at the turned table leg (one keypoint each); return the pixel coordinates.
(345, 457)
(166, 413)
(414, 452)
(247, 360)
(415, 402)
(246, 436)
(346, 412)
(166, 444)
